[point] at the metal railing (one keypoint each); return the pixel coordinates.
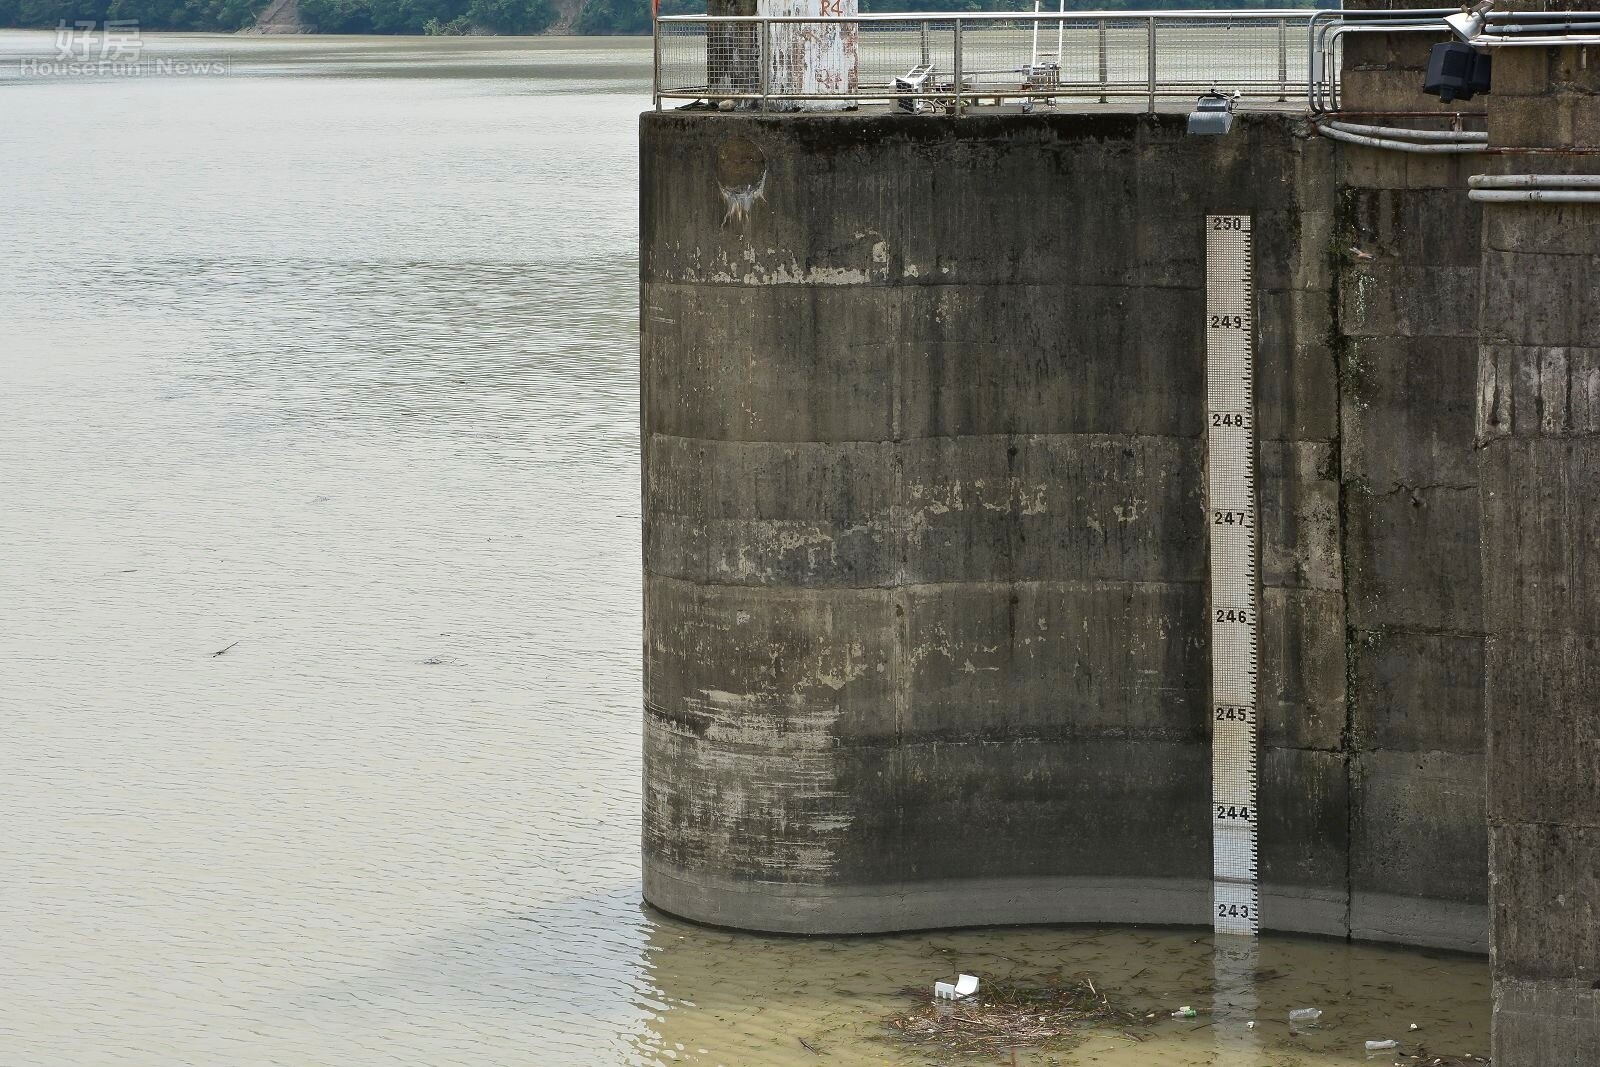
(1328, 28)
(942, 62)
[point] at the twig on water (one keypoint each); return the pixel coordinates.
(220, 651)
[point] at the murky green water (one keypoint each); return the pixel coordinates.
(329, 362)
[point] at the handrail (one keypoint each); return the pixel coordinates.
(1253, 14)
(737, 61)
(1122, 55)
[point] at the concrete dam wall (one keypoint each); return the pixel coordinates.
(925, 539)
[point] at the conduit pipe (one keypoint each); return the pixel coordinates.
(1587, 26)
(1509, 26)
(1534, 181)
(1534, 188)
(1494, 40)
(1333, 130)
(1534, 196)
(1403, 134)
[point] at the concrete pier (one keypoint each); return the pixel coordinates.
(925, 543)
(926, 637)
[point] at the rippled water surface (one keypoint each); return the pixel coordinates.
(320, 609)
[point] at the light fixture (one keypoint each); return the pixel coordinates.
(1468, 22)
(1456, 70)
(1213, 114)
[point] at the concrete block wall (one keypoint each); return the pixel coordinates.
(925, 550)
(1408, 248)
(1538, 432)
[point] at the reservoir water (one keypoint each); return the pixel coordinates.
(319, 605)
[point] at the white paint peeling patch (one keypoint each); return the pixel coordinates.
(1130, 511)
(849, 671)
(740, 201)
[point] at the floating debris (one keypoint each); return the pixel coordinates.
(964, 986)
(1046, 1011)
(1305, 1015)
(1382, 1046)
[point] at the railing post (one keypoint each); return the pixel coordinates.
(1283, 59)
(765, 29)
(1104, 80)
(924, 44)
(655, 59)
(958, 67)
(1150, 61)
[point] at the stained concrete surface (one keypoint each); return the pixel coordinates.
(925, 541)
(1538, 436)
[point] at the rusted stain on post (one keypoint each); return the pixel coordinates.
(812, 58)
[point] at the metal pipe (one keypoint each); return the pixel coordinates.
(1104, 81)
(1486, 40)
(1061, 40)
(1453, 116)
(1328, 80)
(1534, 181)
(1401, 133)
(1036, 32)
(958, 66)
(1398, 146)
(1265, 15)
(1323, 77)
(1150, 61)
(1534, 196)
(762, 48)
(1331, 83)
(1210, 15)
(1565, 26)
(1283, 59)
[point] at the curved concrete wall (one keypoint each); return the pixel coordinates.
(925, 555)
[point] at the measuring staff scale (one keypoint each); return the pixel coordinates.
(1235, 620)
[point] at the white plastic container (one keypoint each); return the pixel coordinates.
(964, 986)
